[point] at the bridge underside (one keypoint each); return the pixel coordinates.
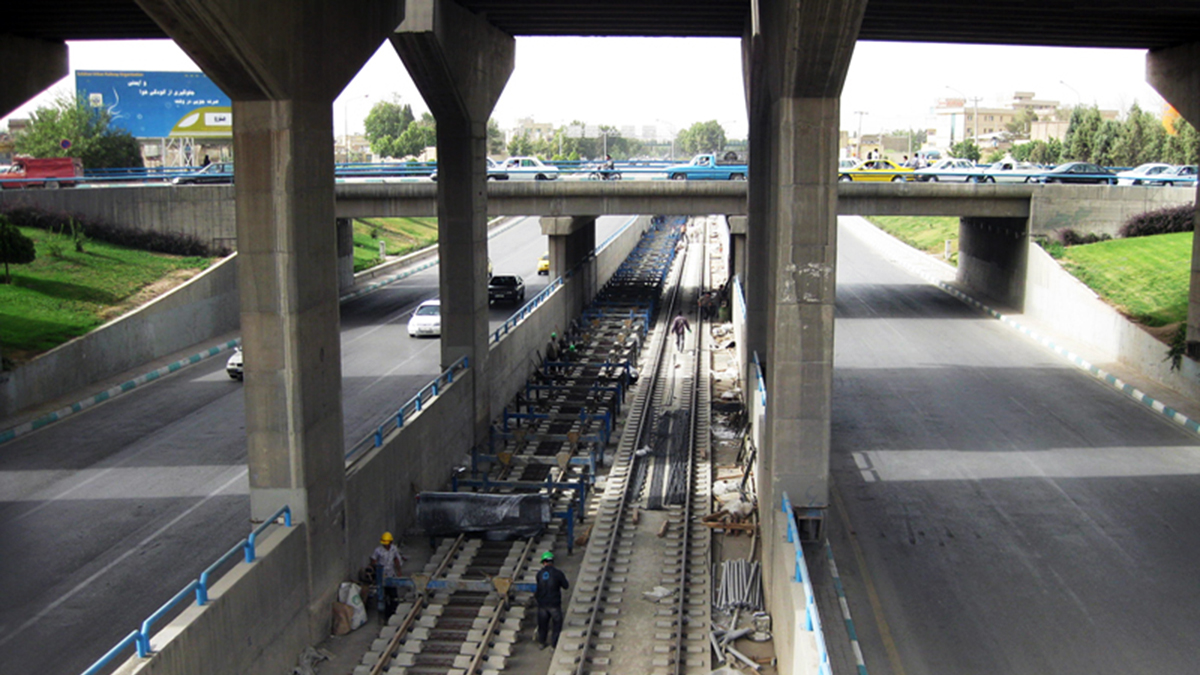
(283, 63)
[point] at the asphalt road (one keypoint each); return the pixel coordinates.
(995, 510)
(105, 515)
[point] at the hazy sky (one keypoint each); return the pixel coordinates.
(674, 82)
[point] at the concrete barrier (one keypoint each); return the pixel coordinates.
(256, 620)
(382, 487)
(204, 307)
(1068, 307)
(1101, 209)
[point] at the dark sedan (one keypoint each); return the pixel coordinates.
(506, 288)
(1077, 172)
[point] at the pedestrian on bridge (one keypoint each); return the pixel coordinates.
(550, 584)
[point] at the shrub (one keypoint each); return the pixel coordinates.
(1163, 221)
(1068, 236)
(83, 228)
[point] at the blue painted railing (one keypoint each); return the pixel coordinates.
(140, 639)
(413, 405)
(812, 618)
(521, 314)
(759, 383)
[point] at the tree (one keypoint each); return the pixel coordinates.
(385, 124)
(701, 137)
(1079, 142)
(966, 150)
(1022, 123)
(88, 131)
(495, 138)
(15, 248)
(418, 136)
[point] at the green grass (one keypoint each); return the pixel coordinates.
(400, 235)
(1146, 278)
(64, 294)
(926, 233)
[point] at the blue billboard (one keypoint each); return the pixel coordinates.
(159, 104)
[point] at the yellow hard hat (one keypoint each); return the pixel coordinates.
(386, 538)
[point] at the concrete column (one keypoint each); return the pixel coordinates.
(282, 64)
(571, 242)
(797, 55)
(993, 254)
(1175, 73)
(737, 246)
(761, 140)
(460, 63)
(30, 67)
(345, 251)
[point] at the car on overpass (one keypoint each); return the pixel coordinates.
(426, 320)
(1184, 174)
(528, 168)
(215, 173)
(950, 170)
(1139, 175)
(494, 171)
(1011, 171)
(876, 170)
(1077, 172)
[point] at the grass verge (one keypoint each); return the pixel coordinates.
(925, 233)
(64, 294)
(399, 235)
(1146, 278)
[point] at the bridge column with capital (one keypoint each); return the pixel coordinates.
(31, 66)
(282, 64)
(460, 63)
(797, 55)
(571, 240)
(1175, 73)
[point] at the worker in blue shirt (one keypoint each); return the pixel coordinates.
(550, 583)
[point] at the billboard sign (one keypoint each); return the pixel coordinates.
(159, 104)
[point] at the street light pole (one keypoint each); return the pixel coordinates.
(1078, 98)
(858, 144)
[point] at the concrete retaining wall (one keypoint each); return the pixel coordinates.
(206, 212)
(1068, 307)
(381, 488)
(255, 622)
(1099, 208)
(204, 307)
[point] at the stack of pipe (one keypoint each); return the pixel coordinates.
(741, 586)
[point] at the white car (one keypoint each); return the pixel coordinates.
(528, 168)
(1139, 174)
(1009, 171)
(234, 365)
(951, 170)
(426, 319)
(1185, 174)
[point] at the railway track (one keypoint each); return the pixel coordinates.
(641, 600)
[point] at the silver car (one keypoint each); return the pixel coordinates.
(1009, 171)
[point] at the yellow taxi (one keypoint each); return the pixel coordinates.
(877, 170)
(544, 264)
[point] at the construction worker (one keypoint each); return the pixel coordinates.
(550, 584)
(387, 556)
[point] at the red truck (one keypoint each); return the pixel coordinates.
(47, 172)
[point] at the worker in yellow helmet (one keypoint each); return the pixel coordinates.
(387, 556)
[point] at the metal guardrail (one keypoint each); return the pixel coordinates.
(812, 618)
(413, 405)
(140, 639)
(758, 378)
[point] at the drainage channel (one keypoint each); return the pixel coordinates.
(555, 439)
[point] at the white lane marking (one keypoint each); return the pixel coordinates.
(121, 558)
